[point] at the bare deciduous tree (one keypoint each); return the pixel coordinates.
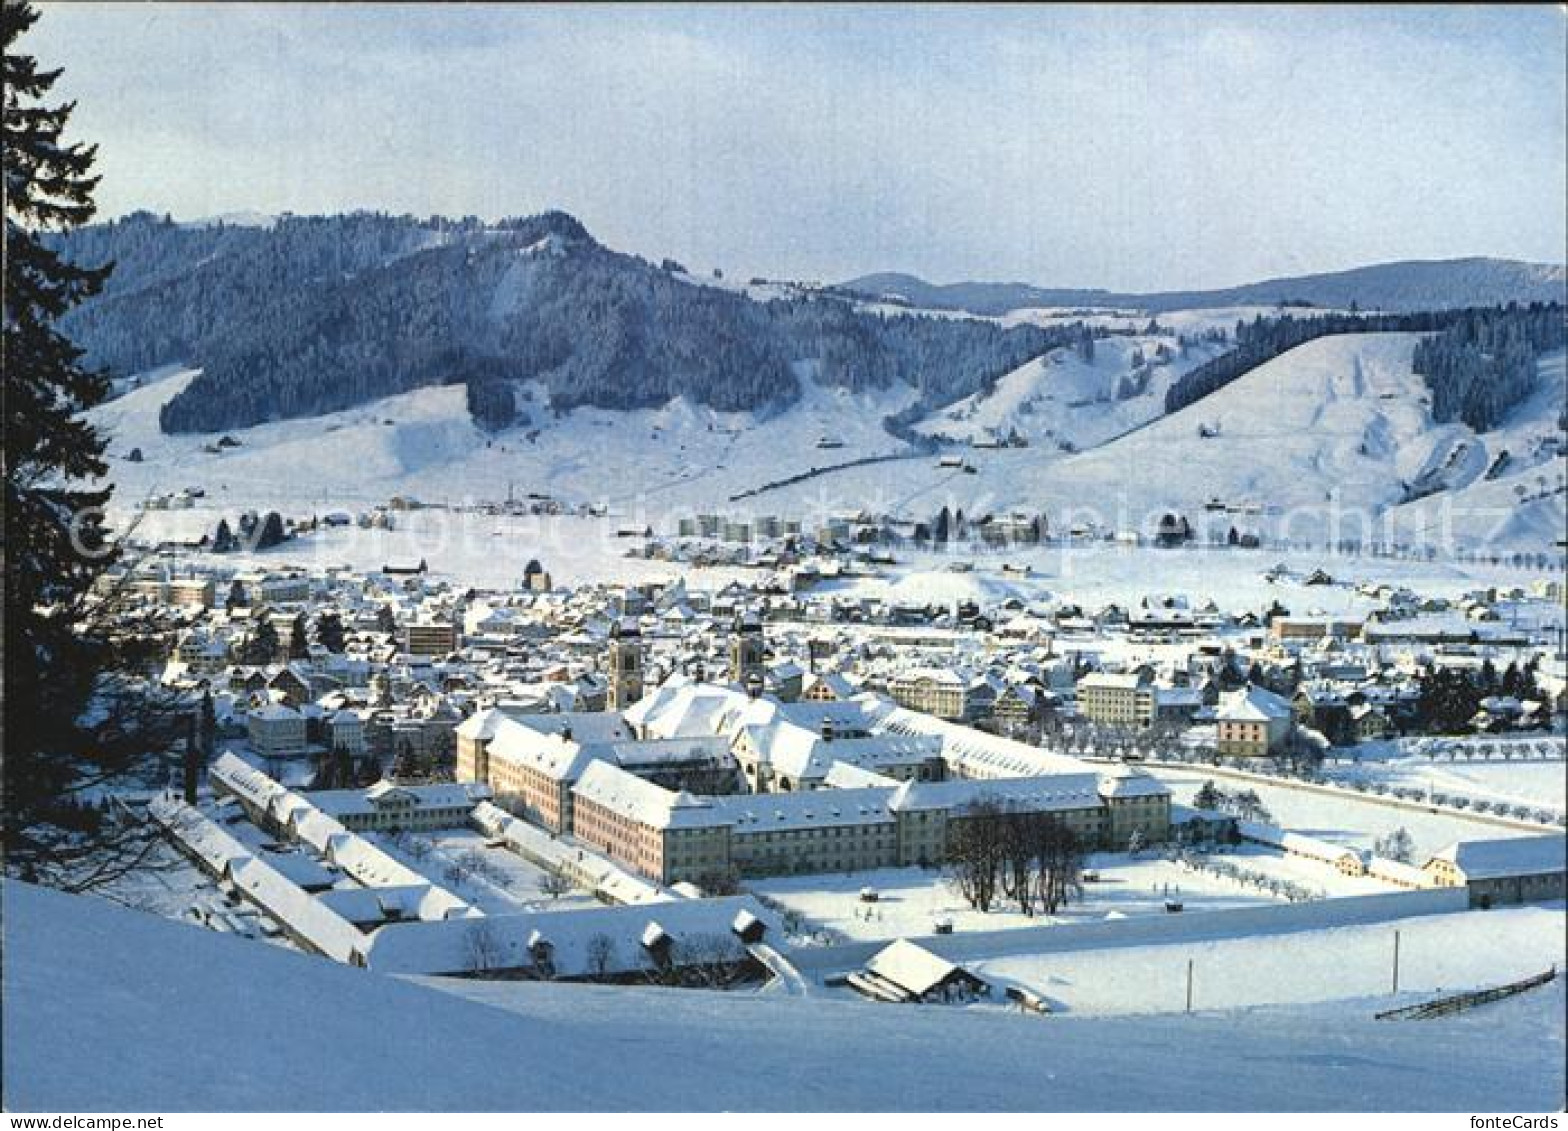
(483, 952)
(600, 955)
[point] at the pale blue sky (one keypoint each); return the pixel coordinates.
(1126, 147)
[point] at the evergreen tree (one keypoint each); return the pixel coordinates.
(54, 549)
(385, 621)
(261, 647)
(271, 531)
(299, 639)
(1488, 682)
(329, 632)
(207, 726)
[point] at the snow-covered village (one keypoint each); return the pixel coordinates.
(690, 689)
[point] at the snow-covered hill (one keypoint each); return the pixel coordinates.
(424, 444)
(1340, 423)
(113, 1010)
(1065, 402)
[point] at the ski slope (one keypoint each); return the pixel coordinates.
(112, 1010)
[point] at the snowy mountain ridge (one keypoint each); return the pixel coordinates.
(1399, 286)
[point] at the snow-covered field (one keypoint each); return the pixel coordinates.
(911, 900)
(1343, 818)
(1437, 953)
(1061, 398)
(1526, 778)
(476, 549)
(111, 1010)
(423, 444)
(495, 880)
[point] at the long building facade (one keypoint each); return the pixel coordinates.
(699, 782)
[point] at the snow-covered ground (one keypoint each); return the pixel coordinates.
(1062, 399)
(1326, 433)
(1525, 778)
(110, 1010)
(495, 880)
(1343, 817)
(423, 444)
(483, 550)
(1437, 953)
(910, 901)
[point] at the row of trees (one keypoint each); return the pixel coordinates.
(1450, 697)
(255, 533)
(1031, 859)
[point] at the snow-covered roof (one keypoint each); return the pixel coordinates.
(1510, 856)
(911, 967)
(844, 775)
(975, 753)
(749, 814)
(364, 802)
(1298, 843)
(1126, 781)
(239, 777)
(1252, 704)
(642, 801)
(480, 725)
(695, 927)
(1051, 793)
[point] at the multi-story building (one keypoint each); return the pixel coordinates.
(431, 637)
(942, 692)
(671, 837)
(192, 592)
(533, 762)
(1252, 723)
(1117, 700)
(831, 786)
(276, 731)
(409, 808)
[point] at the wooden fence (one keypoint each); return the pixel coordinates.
(1458, 1003)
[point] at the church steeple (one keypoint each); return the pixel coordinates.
(625, 665)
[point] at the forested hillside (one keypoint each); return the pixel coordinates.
(1480, 364)
(1484, 363)
(1407, 286)
(317, 314)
